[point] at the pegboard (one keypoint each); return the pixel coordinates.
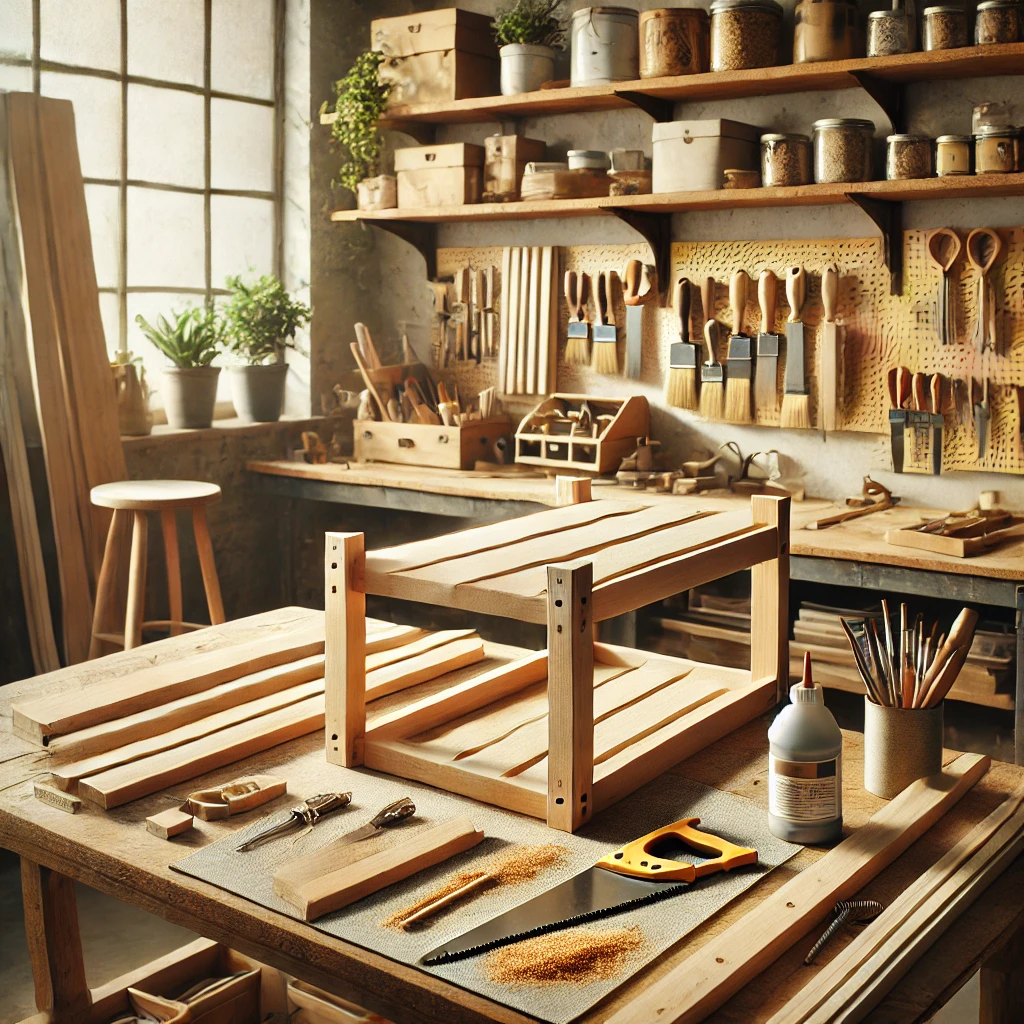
(881, 330)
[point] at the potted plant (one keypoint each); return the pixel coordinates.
(362, 97)
(260, 321)
(527, 32)
(190, 340)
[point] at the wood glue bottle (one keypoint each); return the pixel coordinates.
(805, 768)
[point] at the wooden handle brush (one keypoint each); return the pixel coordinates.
(766, 371)
(739, 365)
(681, 380)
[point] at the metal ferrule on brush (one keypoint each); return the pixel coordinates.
(740, 362)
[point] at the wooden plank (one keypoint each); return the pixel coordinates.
(67, 776)
(167, 717)
(345, 647)
(155, 685)
(69, 495)
(570, 695)
(318, 896)
(533, 325)
(391, 637)
(416, 645)
(503, 307)
(150, 774)
(725, 963)
(769, 597)
(424, 667)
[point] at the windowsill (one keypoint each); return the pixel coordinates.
(236, 428)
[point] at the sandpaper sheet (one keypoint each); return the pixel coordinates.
(661, 802)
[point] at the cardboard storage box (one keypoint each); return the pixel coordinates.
(690, 156)
(446, 175)
(437, 56)
(505, 159)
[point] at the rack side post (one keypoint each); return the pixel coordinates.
(769, 598)
(345, 647)
(570, 695)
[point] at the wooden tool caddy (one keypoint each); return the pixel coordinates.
(563, 733)
(424, 444)
(545, 440)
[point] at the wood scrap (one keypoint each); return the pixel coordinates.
(423, 667)
(170, 823)
(56, 798)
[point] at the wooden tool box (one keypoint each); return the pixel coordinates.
(423, 444)
(447, 175)
(562, 733)
(546, 438)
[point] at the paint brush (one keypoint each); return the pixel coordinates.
(796, 402)
(604, 351)
(712, 378)
(681, 382)
(739, 365)
(766, 386)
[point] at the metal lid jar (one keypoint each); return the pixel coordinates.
(588, 159)
(945, 28)
(908, 156)
(997, 21)
(674, 41)
(953, 155)
(826, 30)
(842, 149)
(997, 151)
(745, 34)
(605, 46)
(888, 33)
(785, 159)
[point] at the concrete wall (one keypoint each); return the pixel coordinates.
(379, 279)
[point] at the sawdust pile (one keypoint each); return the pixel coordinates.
(520, 864)
(580, 956)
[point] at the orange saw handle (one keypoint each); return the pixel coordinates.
(637, 860)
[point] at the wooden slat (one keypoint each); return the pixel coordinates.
(725, 963)
(414, 646)
(157, 684)
(391, 637)
(150, 774)
(345, 647)
(769, 597)
(421, 668)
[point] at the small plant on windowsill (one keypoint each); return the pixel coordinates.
(260, 321)
(362, 98)
(527, 33)
(190, 339)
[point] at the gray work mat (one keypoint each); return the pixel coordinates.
(659, 803)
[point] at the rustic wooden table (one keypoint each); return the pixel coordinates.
(113, 852)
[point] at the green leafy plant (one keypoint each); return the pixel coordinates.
(260, 319)
(362, 97)
(191, 338)
(529, 21)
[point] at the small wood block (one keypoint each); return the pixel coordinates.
(56, 798)
(168, 824)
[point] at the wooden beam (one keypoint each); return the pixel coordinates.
(345, 651)
(769, 597)
(570, 695)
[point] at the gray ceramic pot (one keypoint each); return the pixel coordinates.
(189, 396)
(258, 392)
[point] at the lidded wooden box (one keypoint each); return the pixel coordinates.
(447, 175)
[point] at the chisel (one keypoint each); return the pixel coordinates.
(982, 414)
(766, 389)
(796, 403)
(898, 383)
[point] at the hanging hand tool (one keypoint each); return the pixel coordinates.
(982, 414)
(460, 312)
(983, 248)
(439, 346)
(636, 285)
(937, 421)
(828, 376)
(943, 247)
(739, 363)
(898, 384)
(623, 880)
(476, 316)
(577, 294)
(712, 377)
(489, 313)
(604, 357)
(918, 418)
(796, 403)
(394, 814)
(681, 384)
(766, 388)
(306, 814)
(874, 498)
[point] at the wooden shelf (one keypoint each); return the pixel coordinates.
(537, 210)
(656, 95)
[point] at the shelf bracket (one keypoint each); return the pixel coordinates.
(420, 235)
(659, 109)
(657, 230)
(888, 218)
(888, 95)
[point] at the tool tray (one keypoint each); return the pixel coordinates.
(426, 444)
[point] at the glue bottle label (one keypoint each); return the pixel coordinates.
(805, 790)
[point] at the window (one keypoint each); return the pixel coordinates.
(178, 115)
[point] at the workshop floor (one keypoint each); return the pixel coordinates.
(118, 937)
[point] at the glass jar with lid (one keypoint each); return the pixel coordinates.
(953, 155)
(785, 159)
(908, 156)
(997, 151)
(944, 28)
(745, 34)
(888, 33)
(842, 149)
(826, 30)
(997, 21)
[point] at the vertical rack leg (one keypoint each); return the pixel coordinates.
(769, 598)
(169, 525)
(106, 585)
(136, 581)
(570, 695)
(54, 943)
(204, 548)
(345, 650)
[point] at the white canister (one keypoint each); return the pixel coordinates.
(605, 46)
(525, 67)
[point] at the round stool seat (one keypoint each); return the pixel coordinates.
(154, 495)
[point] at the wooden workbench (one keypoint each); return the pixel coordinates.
(113, 852)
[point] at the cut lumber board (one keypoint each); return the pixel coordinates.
(726, 962)
(395, 636)
(320, 895)
(67, 776)
(151, 774)
(416, 645)
(157, 684)
(162, 719)
(424, 667)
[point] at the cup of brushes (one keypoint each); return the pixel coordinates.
(907, 672)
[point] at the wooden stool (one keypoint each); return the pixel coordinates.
(131, 500)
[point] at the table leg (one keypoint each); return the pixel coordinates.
(206, 563)
(136, 582)
(1002, 984)
(169, 525)
(54, 944)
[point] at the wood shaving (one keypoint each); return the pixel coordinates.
(579, 956)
